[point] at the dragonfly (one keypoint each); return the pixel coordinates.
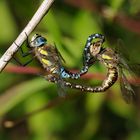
(51, 60)
(115, 63)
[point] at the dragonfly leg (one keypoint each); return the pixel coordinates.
(27, 41)
(25, 64)
(24, 54)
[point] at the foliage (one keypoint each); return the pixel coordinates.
(90, 116)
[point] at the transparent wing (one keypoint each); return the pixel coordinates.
(60, 83)
(59, 54)
(135, 68)
(55, 79)
(59, 80)
(120, 48)
(124, 61)
(122, 54)
(127, 91)
(61, 88)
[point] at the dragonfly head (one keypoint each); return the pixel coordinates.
(37, 41)
(95, 48)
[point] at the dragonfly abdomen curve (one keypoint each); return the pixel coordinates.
(112, 76)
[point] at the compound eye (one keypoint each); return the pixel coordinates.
(38, 41)
(42, 39)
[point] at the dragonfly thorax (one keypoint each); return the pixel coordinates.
(109, 58)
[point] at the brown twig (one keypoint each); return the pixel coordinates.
(51, 104)
(40, 13)
(35, 70)
(22, 70)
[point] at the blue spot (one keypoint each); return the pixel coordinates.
(40, 41)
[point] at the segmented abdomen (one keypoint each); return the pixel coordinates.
(86, 54)
(108, 82)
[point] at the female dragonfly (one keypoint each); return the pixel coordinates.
(115, 64)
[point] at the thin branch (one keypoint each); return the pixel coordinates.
(51, 104)
(10, 123)
(40, 13)
(36, 70)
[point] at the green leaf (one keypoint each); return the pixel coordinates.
(7, 25)
(84, 25)
(20, 92)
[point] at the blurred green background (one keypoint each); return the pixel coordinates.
(78, 116)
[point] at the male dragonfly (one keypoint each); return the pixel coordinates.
(51, 59)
